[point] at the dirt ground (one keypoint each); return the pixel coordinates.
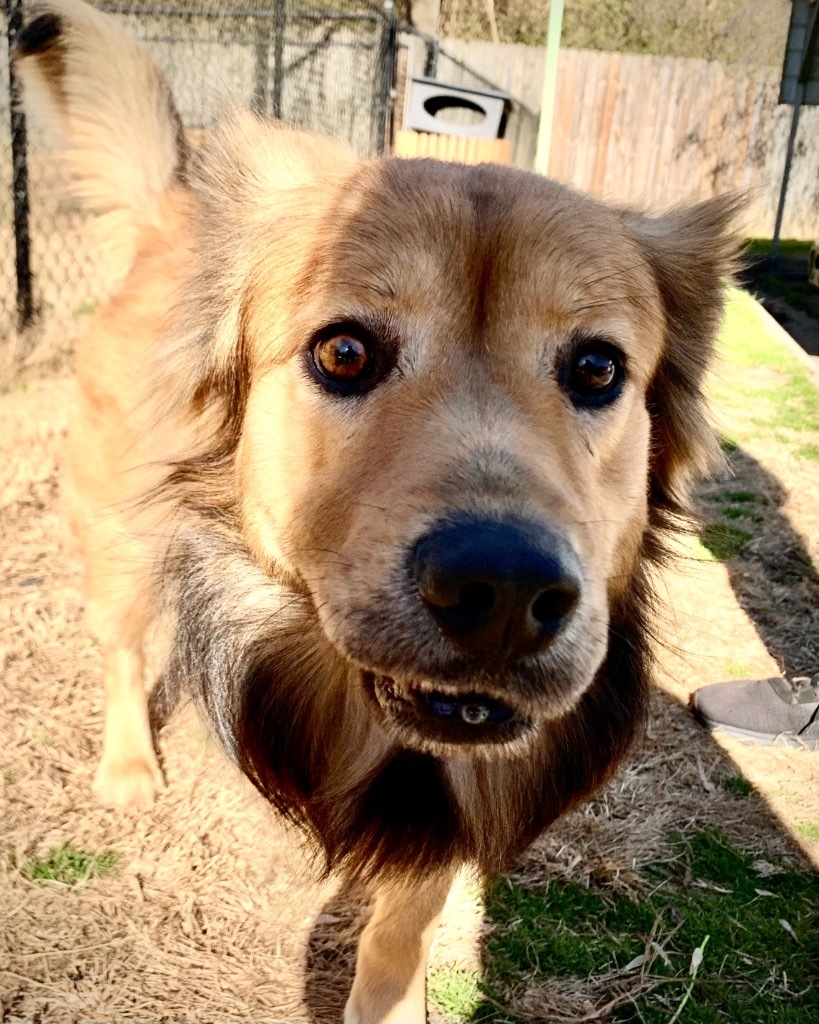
(212, 913)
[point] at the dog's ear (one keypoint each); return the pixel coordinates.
(692, 252)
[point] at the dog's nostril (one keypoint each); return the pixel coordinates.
(555, 604)
(477, 598)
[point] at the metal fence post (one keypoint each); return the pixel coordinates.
(19, 184)
(432, 49)
(261, 69)
(278, 56)
(786, 173)
(388, 69)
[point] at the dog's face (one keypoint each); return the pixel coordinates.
(448, 432)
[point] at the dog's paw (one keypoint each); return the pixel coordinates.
(134, 782)
(405, 1011)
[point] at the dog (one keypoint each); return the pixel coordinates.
(375, 459)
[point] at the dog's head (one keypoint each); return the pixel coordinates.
(460, 398)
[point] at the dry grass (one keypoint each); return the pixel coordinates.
(211, 913)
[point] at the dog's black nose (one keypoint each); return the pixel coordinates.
(498, 590)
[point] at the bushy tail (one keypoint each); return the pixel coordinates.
(105, 102)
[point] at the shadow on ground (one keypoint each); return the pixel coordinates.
(331, 953)
(784, 290)
(769, 566)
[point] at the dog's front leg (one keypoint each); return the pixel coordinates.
(390, 976)
(128, 773)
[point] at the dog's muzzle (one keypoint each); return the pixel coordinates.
(497, 592)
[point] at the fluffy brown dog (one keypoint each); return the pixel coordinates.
(373, 458)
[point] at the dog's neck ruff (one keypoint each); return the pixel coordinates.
(293, 716)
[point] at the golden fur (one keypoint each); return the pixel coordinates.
(245, 533)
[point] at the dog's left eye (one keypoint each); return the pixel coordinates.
(594, 375)
(348, 358)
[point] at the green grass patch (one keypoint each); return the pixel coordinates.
(724, 542)
(85, 308)
(759, 966)
(764, 388)
(69, 866)
(762, 393)
(740, 504)
(740, 512)
(787, 246)
(455, 992)
(737, 785)
(808, 830)
(739, 670)
(14, 384)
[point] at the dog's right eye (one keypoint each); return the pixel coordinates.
(342, 358)
(343, 361)
(593, 376)
(349, 358)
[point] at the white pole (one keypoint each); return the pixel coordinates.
(786, 173)
(547, 102)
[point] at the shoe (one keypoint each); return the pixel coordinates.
(768, 712)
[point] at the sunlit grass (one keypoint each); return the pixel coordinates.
(759, 966)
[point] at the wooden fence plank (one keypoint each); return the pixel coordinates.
(459, 148)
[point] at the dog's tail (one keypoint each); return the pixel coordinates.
(107, 105)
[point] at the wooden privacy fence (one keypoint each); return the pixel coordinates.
(662, 130)
(457, 148)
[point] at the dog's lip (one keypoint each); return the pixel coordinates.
(432, 716)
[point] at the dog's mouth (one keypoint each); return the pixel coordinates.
(428, 717)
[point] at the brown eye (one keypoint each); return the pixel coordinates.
(349, 358)
(343, 358)
(593, 372)
(595, 375)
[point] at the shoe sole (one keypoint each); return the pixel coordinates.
(762, 739)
